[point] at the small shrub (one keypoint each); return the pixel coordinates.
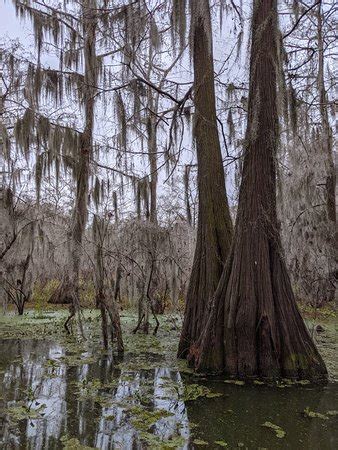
(42, 292)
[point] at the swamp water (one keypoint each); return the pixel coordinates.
(63, 395)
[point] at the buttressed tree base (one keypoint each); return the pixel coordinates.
(255, 328)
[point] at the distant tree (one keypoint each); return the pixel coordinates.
(63, 143)
(306, 190)
(106, 296)
(17, 246)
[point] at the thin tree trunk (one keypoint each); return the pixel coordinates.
(99, 233)
(117, 287)
(144, 308)
(80, 212)
(255, 328)
(106, 297)
(214, 232)
(186, 193)
(152, 149)
(104, 319)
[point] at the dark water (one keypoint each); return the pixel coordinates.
(99, 404)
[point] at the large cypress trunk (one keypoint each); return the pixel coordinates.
(254, 328)
(214, 230)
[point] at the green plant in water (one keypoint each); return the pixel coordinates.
(236, 382)
(195, 391)
(155, 442)
(200, 442)
(20, 411)
(74, 444)
(280, 433)
(317, 415)
(110, 417)
(142, 419)
(221, 443)
(94, 390)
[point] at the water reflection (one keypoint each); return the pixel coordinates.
(93, 402)
(109, 406)
(239, 417)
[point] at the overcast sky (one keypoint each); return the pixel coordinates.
(10, 26)
(13, 28)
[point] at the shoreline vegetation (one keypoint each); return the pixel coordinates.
(46, 322)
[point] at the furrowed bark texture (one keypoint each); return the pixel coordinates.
(214, 232)
(254, 328)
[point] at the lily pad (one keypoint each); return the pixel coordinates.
(143, 419)
(110, 417)
(280, 433)
(236, 382)
(314, 414)
(155, 442)
(200, 442)
(221, 443)
(74, 444)
(21, 411)
(195, 391)
(214, 395)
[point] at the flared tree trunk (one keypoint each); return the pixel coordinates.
(254, 328)
(214, 232)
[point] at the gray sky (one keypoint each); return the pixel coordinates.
(10, 26)
(13, 28)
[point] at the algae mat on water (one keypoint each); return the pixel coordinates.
(147, 398)
(48, 324)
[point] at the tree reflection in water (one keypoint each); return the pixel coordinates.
(108, 404)
(68, 413)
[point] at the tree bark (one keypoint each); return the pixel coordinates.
(214, 231)
(80, 212)
(330, 182)
(117, 287)
(254, 328)
(152, 154)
